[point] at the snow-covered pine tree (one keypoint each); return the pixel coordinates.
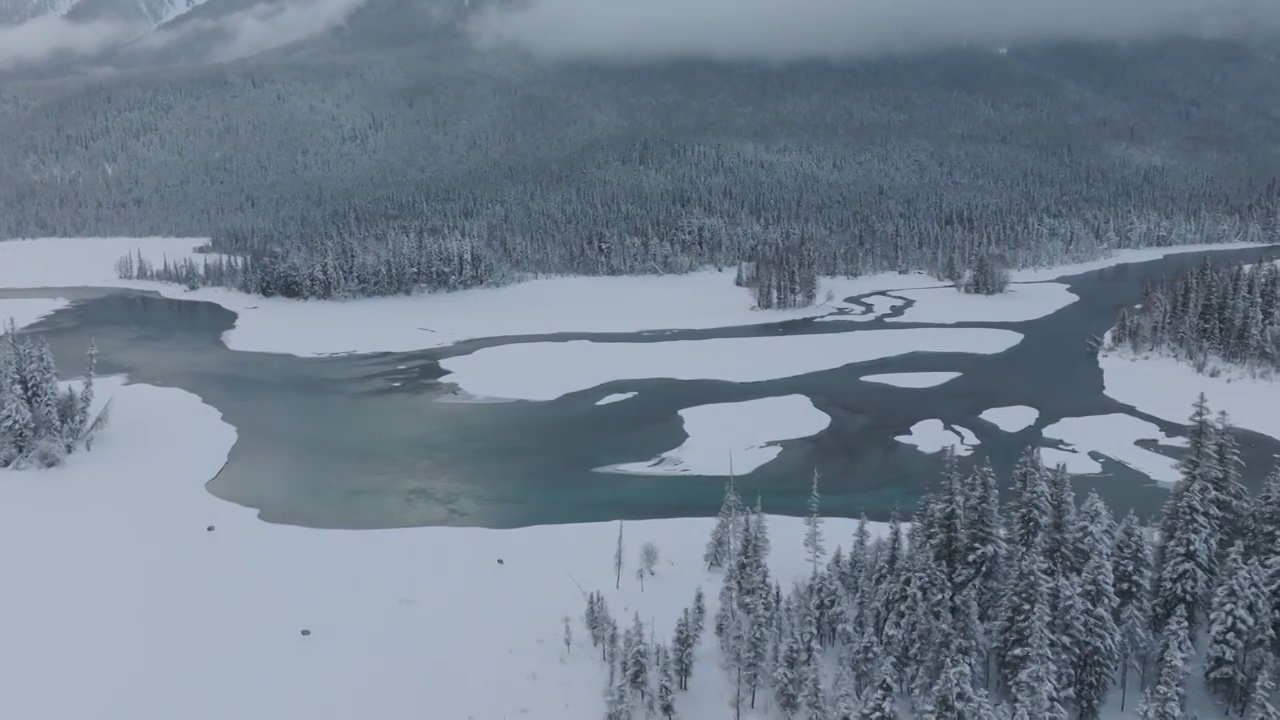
(1232, 628)
(1260, 705)
(1230, 499)
(682, 651)
(698, 616)
(1097, 655)
(1024, 621)
(618, 705)
(617, 560)
(985, 541)
(812, 696)
(762, 531)
(637, 661)
(813, 527)
(881, 702)
(788, 678)
(1187, 554)
(1132, 575)
(720, 547)
(1166, 697)
(1030, 507)
(666, 696)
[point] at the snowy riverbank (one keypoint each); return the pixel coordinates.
(564, 304)
(116, 586)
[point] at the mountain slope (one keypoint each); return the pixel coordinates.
(148, 14)
(16, 12)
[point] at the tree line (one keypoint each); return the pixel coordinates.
(1042, 608)
(39, 422)
(1209, 313)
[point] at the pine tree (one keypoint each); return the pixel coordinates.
(1187, 552)
(666, 683)
(1030, 509)
(812, 698)
(1166, 697)
(723, 537)
(881, 703)
(682, 651)
(617, 560)
(1260, 705)
(698, 617)
(787, 678)
(1231, 627)
(636, 659)
(1132, 576)
(1230, 499)
(619, 705)
(813, 527)
(1097, 652)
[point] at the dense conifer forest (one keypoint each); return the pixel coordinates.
(1209, 315)
(1038, 609)
(39, 422)
(434, 167)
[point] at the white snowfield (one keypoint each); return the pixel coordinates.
(548, 370)
(931, 436)
(1021, 302)
(1114, 436)
(615, 397)
(562, 304)
(25, 311)
(1011, 418)
(912, 380)
(120, 605)
(1166, 388)
(733, 438)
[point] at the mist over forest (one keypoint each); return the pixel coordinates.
(490, 139)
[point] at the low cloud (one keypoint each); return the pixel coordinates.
(805, 29)
(48, 37)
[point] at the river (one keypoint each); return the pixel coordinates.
(363, 441)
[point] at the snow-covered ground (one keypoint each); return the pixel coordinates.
(1166, 388)
(548, 370)
(1011, 418)
(931, 436)
(912, 380)
(944, 306)
(615, 397)
(25, 311)
(1113, 435)
(733, 438)
(401, 324)
(121, 604)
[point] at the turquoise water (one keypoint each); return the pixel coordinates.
(335, 442)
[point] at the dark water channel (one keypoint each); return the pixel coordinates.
(363, 442)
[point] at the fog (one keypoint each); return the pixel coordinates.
(259, 28)
(800, 29)
(50, 36)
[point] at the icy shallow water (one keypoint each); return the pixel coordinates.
(360, 441)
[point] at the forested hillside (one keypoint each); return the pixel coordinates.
(332, 159)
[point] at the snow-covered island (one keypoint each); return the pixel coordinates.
(733, 438)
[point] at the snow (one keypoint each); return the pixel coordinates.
(1162, 386)
(615, 397)
(1011, 418)
(733, 438)
(1124, 257)
(1114, 436)
(912, 380)
(114, 587)
(701, 300)
(27, 311)
(931, 436)
(944, 306)
(548, 370)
